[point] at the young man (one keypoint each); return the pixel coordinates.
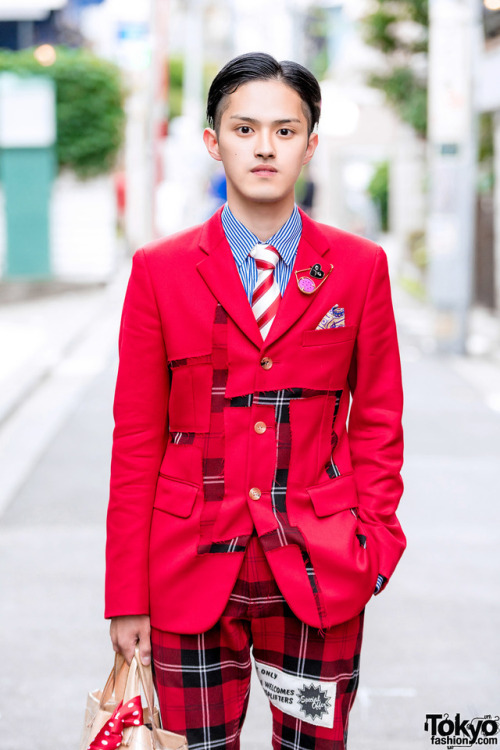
(243, 513)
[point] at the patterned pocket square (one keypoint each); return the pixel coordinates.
(334, 318)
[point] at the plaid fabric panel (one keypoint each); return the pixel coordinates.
(336, 657)
(203, 359)
(286, 533)
(203, 681)
(182, 438)
(331, 468)
(362, 540)
(213, 443)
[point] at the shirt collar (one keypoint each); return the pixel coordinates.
(242, 240)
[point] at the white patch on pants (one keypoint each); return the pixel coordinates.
(305, 698)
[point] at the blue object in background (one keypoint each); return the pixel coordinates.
(218, 187)
(86, 2)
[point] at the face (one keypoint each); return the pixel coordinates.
(262, 142)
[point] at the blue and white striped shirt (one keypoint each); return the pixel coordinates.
(241, 241)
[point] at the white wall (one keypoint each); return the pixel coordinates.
(83, 229)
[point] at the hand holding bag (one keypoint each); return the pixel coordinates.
(115, 717)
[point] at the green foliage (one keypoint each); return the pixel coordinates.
(399, 29)
(418, 249)
(486, 154)
(414, 286)
(378, 190)
(486, 137)
(383, 26)
(379, 32)
(316, 32)
(175, 83)
(89, 106)
(407, 94)
(210, 70)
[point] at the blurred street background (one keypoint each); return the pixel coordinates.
(101, 116)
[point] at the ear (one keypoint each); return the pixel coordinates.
(311, 148)
(212, 144)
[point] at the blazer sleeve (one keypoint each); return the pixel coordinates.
(139, 440)
(375, 420)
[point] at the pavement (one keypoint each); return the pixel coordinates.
(431, 639)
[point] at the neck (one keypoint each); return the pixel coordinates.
(262, 219)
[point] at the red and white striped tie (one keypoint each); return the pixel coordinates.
(266, 296)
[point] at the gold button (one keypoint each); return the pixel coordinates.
(266, 363)
(260, 427)
(255, 493)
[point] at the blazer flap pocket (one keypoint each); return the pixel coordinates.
(328, 335)
(333, 496)
(175, 496)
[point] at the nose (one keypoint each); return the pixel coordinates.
(264, 145)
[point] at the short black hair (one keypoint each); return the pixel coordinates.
(259, 66)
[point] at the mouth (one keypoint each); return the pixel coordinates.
(264, 170)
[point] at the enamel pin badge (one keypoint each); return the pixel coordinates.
(309, 280)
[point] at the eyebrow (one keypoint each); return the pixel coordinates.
(254, 121)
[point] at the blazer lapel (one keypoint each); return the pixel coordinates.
(221, 275)
(312, 246)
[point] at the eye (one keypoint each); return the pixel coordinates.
(244, 129)
(285, 131)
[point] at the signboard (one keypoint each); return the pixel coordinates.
(27, 112)
(450, 82)
(134, 45)
(19, 10)
(487, 81)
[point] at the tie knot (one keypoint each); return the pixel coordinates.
(266, 256)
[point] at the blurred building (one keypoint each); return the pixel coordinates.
(24, 23)
(487, 266)
(28, 23)
(44, 228)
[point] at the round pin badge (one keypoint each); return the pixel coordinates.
(306, 285)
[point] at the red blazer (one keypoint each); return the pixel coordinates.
(218, 433)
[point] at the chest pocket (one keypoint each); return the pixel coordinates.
(329, 336)
(327, 353)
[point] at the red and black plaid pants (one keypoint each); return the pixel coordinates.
(310, 677)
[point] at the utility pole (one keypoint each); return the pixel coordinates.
(192, 101)
(156, 100)
(453, 47)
